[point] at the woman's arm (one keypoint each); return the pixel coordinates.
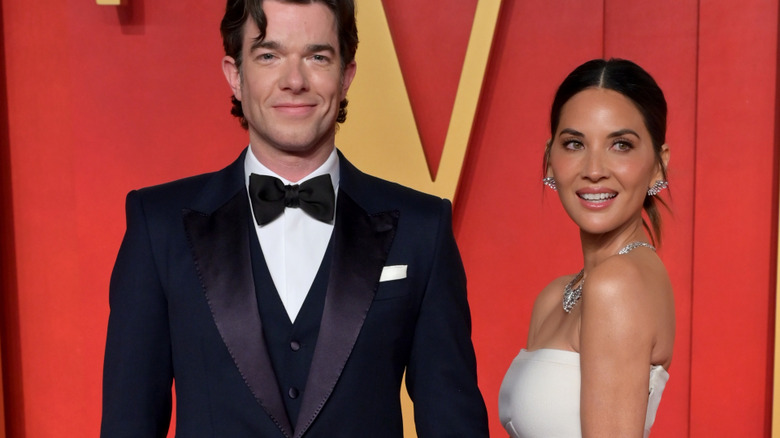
(617, 336)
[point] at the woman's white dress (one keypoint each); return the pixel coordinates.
(540, 395)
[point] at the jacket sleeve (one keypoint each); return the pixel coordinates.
(442, 372)
(137, 371)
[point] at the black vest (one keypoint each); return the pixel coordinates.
(290, 345)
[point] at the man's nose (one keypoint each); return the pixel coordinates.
(294, 76)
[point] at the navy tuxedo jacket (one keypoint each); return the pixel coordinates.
(184, 311)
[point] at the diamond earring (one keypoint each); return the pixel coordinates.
(550, 182)
(657, 187)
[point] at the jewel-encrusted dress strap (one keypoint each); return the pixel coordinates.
(633, 245)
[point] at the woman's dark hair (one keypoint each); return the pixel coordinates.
(237, 12)
(637, 85)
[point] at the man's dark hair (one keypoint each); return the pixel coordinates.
(237, 12)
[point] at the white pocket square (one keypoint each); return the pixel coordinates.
(394, 272)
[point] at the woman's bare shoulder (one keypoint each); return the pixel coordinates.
(633, 277)
(628, 301)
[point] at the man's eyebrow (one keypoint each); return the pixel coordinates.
(274, 45)
(264, 44)
(314, 48)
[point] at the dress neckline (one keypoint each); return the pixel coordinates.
(570, 354)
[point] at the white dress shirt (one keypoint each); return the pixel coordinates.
(293, 244)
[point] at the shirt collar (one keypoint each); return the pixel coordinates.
(330, 167)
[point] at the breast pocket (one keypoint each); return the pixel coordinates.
(392, 283)
(392, 289)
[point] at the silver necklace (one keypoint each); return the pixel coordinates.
(572, 296)
(631, 246)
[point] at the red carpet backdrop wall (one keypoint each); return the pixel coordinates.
(99, 100)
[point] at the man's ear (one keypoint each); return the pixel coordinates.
(233, 75)
(347, 77)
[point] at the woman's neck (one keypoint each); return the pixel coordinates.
(598, 247)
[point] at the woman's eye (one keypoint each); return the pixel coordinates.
(572, 144)
(623, 145)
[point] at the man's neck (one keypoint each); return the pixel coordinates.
(289, 165)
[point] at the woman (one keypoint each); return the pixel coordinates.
(600, 341)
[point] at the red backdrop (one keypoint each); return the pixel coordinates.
(101, 100)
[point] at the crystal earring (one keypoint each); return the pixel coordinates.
(550, 182)
(657, 187)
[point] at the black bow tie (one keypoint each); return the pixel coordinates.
(270, 196)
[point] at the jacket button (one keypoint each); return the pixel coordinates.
(295, 346)
(293, 393)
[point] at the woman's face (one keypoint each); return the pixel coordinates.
(603, 161)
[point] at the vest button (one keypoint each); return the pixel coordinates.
(293, 393)
(295, 346)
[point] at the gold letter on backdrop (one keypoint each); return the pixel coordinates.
(380, 135)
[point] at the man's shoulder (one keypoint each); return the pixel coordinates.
(392, 188)
(183, 192)
(177, 187)
(370, 190)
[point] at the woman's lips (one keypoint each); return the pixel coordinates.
(596, 198)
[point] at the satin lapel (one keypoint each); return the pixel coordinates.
(362, 243)
(220, 246)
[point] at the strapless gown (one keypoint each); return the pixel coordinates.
(540, 395)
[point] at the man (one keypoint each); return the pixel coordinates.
(276, 315)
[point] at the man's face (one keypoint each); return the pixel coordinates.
(290, 83)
